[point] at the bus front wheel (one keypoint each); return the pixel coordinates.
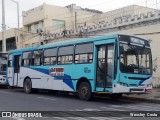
(84, 91)
(28, 86)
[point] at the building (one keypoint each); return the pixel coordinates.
(42, 22)
(11, 40)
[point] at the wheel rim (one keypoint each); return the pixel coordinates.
(84, 91)
(27, 86)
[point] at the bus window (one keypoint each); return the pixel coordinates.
(10, 61)
(84, 53)
(135, 59)
(65, 55)
(26, 59)
(50, 56)
(37, 57)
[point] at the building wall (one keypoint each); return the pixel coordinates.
(8, 33)
(33, 15)
(44, 17)
(10, 36)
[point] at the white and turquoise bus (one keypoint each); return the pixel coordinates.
(115, 64)
(3, 66)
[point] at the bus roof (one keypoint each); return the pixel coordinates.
(83, 40)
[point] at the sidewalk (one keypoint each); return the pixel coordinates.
(153, 97)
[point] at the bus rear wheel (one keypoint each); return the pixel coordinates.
(84, 91)
(28, 86)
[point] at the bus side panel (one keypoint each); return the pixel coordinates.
(10, 76)
(84, 71)
(35, 76)
(41, 78)
(50, 81)
(62, 77)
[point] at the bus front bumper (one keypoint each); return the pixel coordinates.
(117, 88)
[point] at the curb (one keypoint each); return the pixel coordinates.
(141, 99)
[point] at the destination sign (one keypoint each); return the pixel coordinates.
(136, 40)
(131, 39)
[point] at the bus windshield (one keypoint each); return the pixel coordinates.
(135, 59)
(3, 63)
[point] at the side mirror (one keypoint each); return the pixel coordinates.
(154, 68)
(155, 64)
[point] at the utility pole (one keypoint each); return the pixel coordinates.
(17, 39)
(3, 27)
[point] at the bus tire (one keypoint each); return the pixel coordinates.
(27, 86)
(84, 91)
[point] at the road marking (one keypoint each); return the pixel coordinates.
(77, 118)
(5, 92)
(115, 106)
(108, 118)
(138, 108)
(146, 108)
(46, 98)
(101, 118)
(152, 107)
(17, 118)
(90, 109)
(86, 109)
(78, 110)
(112, 109)
(60, 118)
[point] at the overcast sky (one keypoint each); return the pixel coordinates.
(102, 5)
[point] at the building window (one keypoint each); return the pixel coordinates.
(34, 44)
(26, 45)
(50, 56)
(26, 59)
(65, 55)
(58, 23)
(35, 27)
(29, 28)
(0, 45)
(84, 53)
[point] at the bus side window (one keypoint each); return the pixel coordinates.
(50, 56)
(65, 55)
(84, 53)
(26, 58)
(10, 61)
(37, 57)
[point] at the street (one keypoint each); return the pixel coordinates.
(16, 100)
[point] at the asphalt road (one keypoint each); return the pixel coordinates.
(17, 100)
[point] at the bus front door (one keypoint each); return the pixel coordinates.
(16, 69)
(104, 67)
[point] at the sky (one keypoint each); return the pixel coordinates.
(102, 5)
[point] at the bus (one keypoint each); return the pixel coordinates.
(114, 64)
(3, 66)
